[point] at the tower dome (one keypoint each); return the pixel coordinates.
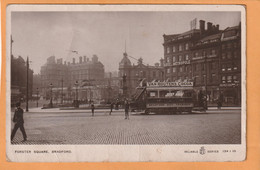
(125, 61)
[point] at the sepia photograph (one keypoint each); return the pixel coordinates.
(126, 83)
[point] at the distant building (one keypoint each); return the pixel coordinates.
(135, 73)
(211, 58)
(19, 80)
(53, 75)
(85, 70)
(67, 78)
(36, 84)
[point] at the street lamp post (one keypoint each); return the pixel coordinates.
(206, 83)
(76, 84)
(62, 90)
(37, 93)
(51, 105)
(27, 83)
(124, 86)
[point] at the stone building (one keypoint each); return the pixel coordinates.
(68, 79)
(135, 73)
(209, 57)
(19, 80)
(54, 74)
(230, 62)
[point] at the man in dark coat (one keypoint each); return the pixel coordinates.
(111, 107)
(18, 120)
(92, 108)
(220, 100)
(200, 99)
(126, 109)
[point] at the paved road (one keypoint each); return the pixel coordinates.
(79, 127)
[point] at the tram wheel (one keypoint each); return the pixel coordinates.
(147, 111)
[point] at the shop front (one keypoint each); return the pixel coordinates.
(231, 94)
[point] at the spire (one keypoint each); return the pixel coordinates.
(125, 54)
(125, 46)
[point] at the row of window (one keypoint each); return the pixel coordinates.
(230, 55)
(182, 47)
(205, 53)
(212, 53)
(176, 48)
(185, 68)
(182, 78)
(144, 74)
(229, 67)
(196, 67)
(229, 79)
(177, 58)
(213, 78)
(230, 45)
(202, 66)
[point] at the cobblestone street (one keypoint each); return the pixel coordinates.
(79, 127)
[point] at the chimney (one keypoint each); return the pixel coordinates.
(95, 58)
(59, 61)
(213, 28)
(209, 26)
(202, 25)
(65, 63)
(217, 27)
(80, 59)
(85, 58)
(73, 61)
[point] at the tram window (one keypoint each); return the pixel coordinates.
(163, 93)
(187, 94)
(179, 93)
(153, 93)
(175, 93)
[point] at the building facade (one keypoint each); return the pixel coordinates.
(70, 79)
(230, 62)
(210, 57)
(135, 73)
(19, 79)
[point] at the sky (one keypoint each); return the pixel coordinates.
(40, 35)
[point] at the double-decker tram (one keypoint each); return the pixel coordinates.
(166, 97)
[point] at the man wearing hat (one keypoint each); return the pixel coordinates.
(18, 120)
(126, 109)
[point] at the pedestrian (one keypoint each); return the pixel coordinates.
(220, 100)
(205, 99)
(200, 99)
(92, 108)
(126, 109)
(18, 120)
(117, 103)
(111, 107)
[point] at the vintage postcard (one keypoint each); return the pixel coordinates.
(125, 83)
